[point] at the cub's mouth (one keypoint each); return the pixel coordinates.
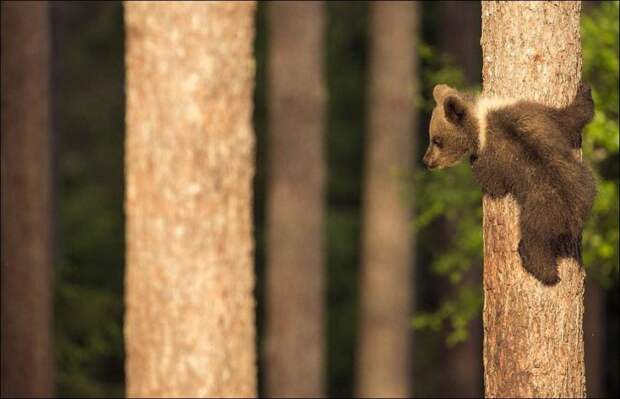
(441, 164)
(430, 166)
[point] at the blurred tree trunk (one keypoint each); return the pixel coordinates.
(387, 276)
(595, 337)
(533, 344)
(295, 201)
(27, 245)
(459, 37)
(189, 323)
(459, 34)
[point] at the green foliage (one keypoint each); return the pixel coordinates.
(89, 104)
(600, 55)
(601, 140)
(457, 311)
(436, 68)
(86, 353)
(448, 203)
(452, 200)
(452, 197)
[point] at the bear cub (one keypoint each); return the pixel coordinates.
(526, 149)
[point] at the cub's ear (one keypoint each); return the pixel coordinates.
(441, 91)
(454, 108)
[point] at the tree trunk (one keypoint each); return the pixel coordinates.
(189, 323)
(459, 33)
(533, 343)
(295, 201)
(387, 276)
(27, 247)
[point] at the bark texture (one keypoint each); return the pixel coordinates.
(387, 276)
(295, 201)
(27, 245)
(533, 342)
(189, 324)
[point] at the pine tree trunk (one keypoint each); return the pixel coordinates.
(387, 279)
(533, 343)
(27, 244)
(295, 201)
(189, 324)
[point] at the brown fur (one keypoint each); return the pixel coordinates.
(526, 149)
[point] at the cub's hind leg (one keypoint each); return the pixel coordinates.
(543, 220)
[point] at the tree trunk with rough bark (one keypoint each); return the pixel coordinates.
(533, 342)
(27, 229)
(295, 201)
(387, 276)
(189, 323)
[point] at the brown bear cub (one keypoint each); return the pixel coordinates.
(526, 149)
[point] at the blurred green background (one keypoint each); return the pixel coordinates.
(88, 83)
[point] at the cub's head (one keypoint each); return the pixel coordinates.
(450, 129)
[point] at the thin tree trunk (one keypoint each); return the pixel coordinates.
(295, 201)
(533, 343)
(387, 279)
(27, 245)
(189, 324)
(595, 337)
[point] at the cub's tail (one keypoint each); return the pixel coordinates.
(579, 113)
(583, 101)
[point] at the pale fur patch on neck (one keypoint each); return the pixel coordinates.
(483, 106)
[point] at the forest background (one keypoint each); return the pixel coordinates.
(88, 58)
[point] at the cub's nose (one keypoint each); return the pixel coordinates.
(427, 162)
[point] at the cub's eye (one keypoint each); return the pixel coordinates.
(437, 141)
